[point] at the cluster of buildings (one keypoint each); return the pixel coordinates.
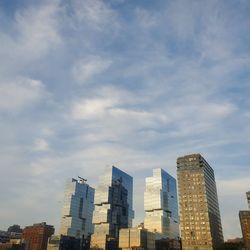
(101, 218)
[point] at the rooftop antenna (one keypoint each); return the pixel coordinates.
(82, 180)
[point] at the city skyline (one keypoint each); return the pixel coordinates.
(106, 177)
(89, 83)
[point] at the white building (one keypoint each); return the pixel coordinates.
(160, 205)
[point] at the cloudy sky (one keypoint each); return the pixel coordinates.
(88, 83)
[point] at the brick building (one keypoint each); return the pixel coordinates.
(245, 227)
(37, 236)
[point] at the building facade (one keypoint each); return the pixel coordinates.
(113, 208)
(78, 210)
(248, 199)
(245, 227)
(136, 238)
(168, 244)
(161, 206)
(199, 209)
(61, 242)
(36, 236)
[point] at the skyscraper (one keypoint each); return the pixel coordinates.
(77, 210)
(160, 205)
(199, 209)
(248, 199)
(113, 208)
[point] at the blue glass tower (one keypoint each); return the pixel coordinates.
(113, 208)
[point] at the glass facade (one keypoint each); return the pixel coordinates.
(199, 209)
(77, 209)
(136, 238)
(160, 204)
(113, 208)
(248, 199)
(61, 242)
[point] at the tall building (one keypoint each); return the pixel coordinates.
(199, 209)
(136, 238)
(248, 199)
(37, 236)
(78, 210)
(245, 227)
(160, 205)
(113, 208)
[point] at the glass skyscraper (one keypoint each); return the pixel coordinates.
(160, 205)
(199, 209)
(77, 210)
(113, 208)
(248, 199)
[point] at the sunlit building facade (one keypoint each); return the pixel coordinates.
(113, 208)
(245, 227)
(77, 212)
(161, 206)
(136, 238)
(199, 209)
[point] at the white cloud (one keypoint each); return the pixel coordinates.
(41, 144)
(92, 108)
(37, 29)
(169, 96)
(20, 93)
(90, 67)
(96, 14)
(145, 18)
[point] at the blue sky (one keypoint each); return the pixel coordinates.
(85, 84)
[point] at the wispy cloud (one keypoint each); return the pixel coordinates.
(89, 67)
(89, 83)
(20, 93)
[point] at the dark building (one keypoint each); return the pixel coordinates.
(4, 236)
(248, 199)
(168, 244)
(37, 236)
(15, 229)
(234, 244)
(61, 242)
(245, 227)
(12, 246)
(198, 201)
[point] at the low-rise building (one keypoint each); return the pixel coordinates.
(62, 242)
(37, 236)
(136, 239)
(245, 227)
(168, 244)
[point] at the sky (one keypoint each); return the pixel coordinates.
(133, 83)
